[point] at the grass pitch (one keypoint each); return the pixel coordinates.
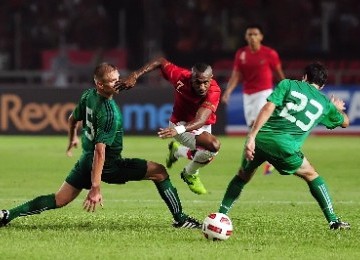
(275, 218)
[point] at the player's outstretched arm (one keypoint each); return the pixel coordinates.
(73, 138)
(150, 66)
(130, 81)
(260, 120)
(279, 73)
(233, 81)
(201, 116)
(340, 105)
(94, 195)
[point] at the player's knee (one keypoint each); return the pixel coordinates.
(310, 175)
(157, 172)
(244, 176)
(307, 172)
(215, 145)
(204, 156)
(162, 174)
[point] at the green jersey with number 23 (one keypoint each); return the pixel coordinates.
(299, 108)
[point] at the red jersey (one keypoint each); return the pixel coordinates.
(256, 68)
(187, 102)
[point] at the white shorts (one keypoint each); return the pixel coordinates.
(188, 138)
(253, 104)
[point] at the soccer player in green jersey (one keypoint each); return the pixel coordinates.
(102, 143)
(291, 112)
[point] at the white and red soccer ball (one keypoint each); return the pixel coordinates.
(217, 226)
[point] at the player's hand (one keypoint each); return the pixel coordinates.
(92, 199)
(120, 85)
(250, 149)
(339, 103)
(126, 83)
(167, 132)
(72, 144)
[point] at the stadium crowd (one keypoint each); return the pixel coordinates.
(186, 31)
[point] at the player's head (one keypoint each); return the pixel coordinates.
(315, 73)
(105, 77)
(201, 75)
(254, 34)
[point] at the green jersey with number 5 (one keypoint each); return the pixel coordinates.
(299, 108)
(102, 123)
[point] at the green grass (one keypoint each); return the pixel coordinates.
(275, 218)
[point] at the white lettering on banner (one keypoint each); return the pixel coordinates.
(37, 116)
(140, 114)
(33, 116)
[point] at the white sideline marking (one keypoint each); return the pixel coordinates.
(207, 201)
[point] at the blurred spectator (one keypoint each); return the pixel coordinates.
(60, 69)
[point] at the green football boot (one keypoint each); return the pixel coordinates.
(171, 159)
(194, 182)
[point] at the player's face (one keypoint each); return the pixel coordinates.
(253, 36)
(200, 83)
(108, 84)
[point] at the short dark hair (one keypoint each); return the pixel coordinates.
(255, 26)
(201, 67)
(316, 73)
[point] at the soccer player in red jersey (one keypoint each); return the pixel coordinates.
(254, 65)
(197, 96)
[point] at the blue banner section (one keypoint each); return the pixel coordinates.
(349, 93)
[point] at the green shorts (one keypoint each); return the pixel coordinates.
(116, 171)
(285, 164)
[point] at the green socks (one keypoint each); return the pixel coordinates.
(35, 206)
(317, 188)
(232, 193)
(320, 192)
(169, 194)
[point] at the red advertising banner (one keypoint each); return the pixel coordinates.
(85, 57)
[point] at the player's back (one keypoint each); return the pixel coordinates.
(300, 106)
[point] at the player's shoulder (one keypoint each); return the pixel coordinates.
(172, 66)
(241, 50)
(88, 92)
(286, 83)
(177, 71)
(268, 49)
(214, 86)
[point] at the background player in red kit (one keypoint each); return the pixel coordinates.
(254, 65)
(197, 96)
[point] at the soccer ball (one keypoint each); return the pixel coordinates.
(217, 226)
